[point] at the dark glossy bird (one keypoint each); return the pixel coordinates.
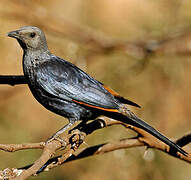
(64, 89)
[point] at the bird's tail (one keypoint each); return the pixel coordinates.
(129, 117)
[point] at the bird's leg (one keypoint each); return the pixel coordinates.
(12, 79)
(60, 131)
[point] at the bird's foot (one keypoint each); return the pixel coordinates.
(74, 131)
(77, 138)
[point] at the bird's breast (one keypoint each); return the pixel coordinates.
(30, 66)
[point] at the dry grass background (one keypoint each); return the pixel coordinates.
(82, 32)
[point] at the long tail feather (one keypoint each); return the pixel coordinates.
(130, 118)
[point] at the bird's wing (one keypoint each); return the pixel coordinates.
(120, 98)
(64, 80)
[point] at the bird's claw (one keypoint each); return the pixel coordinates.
(77, 138)
(74, 132)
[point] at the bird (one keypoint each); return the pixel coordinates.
(68, 91)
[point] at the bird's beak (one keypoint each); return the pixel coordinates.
(14, 34)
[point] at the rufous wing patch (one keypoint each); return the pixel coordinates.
(96, 107)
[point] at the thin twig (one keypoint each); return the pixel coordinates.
(12, 79)
(74, 140)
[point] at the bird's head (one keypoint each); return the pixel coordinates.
(30, 38)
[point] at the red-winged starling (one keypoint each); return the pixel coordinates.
(64, 89)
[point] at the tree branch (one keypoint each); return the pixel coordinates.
(17, 147)
(12, 79)
(183, 141)
(72, 141)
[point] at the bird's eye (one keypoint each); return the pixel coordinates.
(32, 35)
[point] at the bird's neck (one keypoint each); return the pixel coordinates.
(36, 52)
(31, 59)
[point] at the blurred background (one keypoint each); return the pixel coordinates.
(141, 49)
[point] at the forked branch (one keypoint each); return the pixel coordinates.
(72, 141)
